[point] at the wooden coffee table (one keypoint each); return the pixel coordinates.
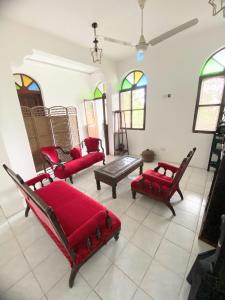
(115, 171)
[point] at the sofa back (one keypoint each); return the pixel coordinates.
(43, 212)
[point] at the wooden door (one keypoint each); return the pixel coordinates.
(91, 118)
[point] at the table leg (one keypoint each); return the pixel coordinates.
(98, 185)
(114, 191)
(141, 169)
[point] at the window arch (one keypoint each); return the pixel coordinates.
(28, 90)
(211, 91)
(100, 91)
(133, 100)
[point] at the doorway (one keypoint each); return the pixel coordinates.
(96, 116)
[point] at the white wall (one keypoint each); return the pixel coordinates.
(60, 87)
(173, 67)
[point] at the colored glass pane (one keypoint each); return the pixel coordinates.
(18, 80)
(138, 99)
(17, 87)
(126, 85)
(212, 67)
(97, 93)
(142, 81)
(137, 76)
(101, 88)
(26, 80)
(130, 78)
(33, 87)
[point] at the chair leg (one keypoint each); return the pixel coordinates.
(73, 276)
(27, 211)
(133, 194)
(116, 236)
(180, 193)
(71, 179)
(171, 208)
(103, 162)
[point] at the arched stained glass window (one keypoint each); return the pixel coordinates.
(99, 91)
(28, 90)
(211, 92)
(24, 82)
(133, 100)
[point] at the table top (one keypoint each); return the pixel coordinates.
(119, 166)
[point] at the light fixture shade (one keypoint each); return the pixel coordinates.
(218, 6)
(140, 54)
(96, 54)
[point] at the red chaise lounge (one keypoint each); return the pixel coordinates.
(78, 225)
(161, 186)
(77, 162)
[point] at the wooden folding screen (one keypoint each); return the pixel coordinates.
(56, 125)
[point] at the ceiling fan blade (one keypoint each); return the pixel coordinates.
(112, 40)
(172, 32)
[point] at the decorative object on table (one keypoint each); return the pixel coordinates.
(142, 45)
(207, 275)
(161, 186)
(120, 133)
(217, 8)
(96, 52)
(77, 162)
(77, 224)
(117, 170)
(148, 155)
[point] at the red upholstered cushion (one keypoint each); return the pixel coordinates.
(93, 158)
(75, 153)
(37, 179)
(51, 153)
(70, 167)
(72, 207)
(150, 174)
(92, 144)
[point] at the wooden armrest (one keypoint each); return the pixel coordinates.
(166, 167)
(38, 179)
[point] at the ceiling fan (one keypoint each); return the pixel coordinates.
(142, 45)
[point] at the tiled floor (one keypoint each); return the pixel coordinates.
(150, 260)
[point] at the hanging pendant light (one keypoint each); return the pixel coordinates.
(218, 8)
(96, 52)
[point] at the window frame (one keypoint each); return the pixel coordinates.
(197, 105)
(133, 88)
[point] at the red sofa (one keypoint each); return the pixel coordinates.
(77, 162)
(162, 186)
(78, 225)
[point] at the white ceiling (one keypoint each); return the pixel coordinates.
(72, 19)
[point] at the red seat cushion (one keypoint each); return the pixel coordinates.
(151, 173)
(93, 158)
(70, 167)
(78, 214)
(75, 153)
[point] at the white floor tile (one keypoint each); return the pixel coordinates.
(173, 257)
(113, 248)
(94, 269)
(25, 289)
(141, 295)
(181, 236)
(147, 240)
(115, 285)
(186, 219)
(13, 271)
(8, 250)
(137, 212)
(129, 226)
(156, 223)
(32, 234)
(184, 291)
(6, 233)
(134, 262)
(39, 250)
(200, 246)
(51, 270)
(160, 283)
(93, 296)
(61, 290)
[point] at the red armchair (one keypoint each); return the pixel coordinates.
(77, 163)
(161, 186)
(77, 224)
